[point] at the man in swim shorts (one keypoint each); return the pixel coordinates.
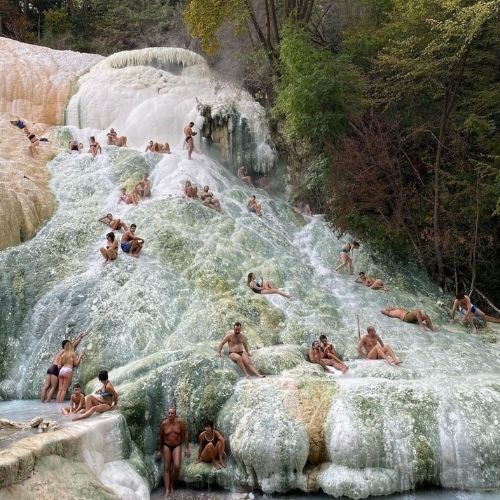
(239, 352)
(189, 135)
(130, 243)
(415, 316)
(371, 347)
(51, 381)
(463, 303)
(173, 432)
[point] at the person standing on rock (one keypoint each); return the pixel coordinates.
(371, 347)
(239, 352)
(173, 432)
(51, 381)
(189, 134)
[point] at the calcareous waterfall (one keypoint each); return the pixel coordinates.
(156, 320)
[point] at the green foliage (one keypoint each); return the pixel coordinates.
(205, 18)
(316, 93)
(57, 21)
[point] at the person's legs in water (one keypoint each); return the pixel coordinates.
(45, 387)
(271, 291)
(210, 454)
(64, 383)
(100, 408)
(176, 459)
(104, 253)
(428, 322)
(135, 248)
(236, 358)
(167, 464)
(54, 382)
(345, 260)
(390, 354)
(250, 366)
(190, 147)
(378, 353)
(336, 363)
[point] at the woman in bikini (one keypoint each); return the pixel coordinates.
(263, 287)
(94, 147)
(111, 251)
(212, 446)
(34, 141)
(69, 361)
(103, 399)
(346, 253)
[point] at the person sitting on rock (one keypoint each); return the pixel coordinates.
(131, 243)
(303, 208)
(165, 148)
(373, 283)
(114, 224)
(253, 206)
(209, 200)
(77, 401)
(263, 287)
(115, 140)
(242, 174)
(238, 351)
(316, 357)
(212, 446)
(371, 347)
(110, 253)
(128, 198)
(190, 190)
(330, 356)
(150, 147)
(102, 400)
(143, 187)
(94, 147)
(415, 316)
(75, 146)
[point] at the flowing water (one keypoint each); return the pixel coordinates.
(377, 430)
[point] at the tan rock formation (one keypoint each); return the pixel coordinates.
(35, 85)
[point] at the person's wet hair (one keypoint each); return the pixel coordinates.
(237, 323)
(249, 278)
(355, 244)
(64, 342)
(460, 296)
(111, 236)
(321, 337)
(209, 423)
(77, 386)
(370, 329)
(314, 342)
(92, 138)
(361, 273)
(191, 124)
(133, 226)
(103, 375)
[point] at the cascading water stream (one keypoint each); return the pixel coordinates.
(155, 320)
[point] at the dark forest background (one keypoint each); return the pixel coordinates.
(387, 111)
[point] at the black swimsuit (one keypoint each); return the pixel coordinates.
(205, 441)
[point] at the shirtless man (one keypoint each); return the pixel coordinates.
(242, 174)
(373, 283)
(131, 243)
(77, 401)
(114, 224)
(371, 347)
(143, 187)
(51, 381)
(316, 356)
(150, 147)
(166, 148)
(463, 303)
(330, 357)
(212, 446)
(209, 200)
(128, 198)
(254, 207)
(190, 191)
(112, 136)
(238, 351)
(173, 432)
(189, 134)
(94, 147)
(415, 316)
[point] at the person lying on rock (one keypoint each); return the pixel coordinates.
(51, 381)
(102, 400)
(114, 224)
(238, 351)
(77, 401)
(190, 191)
(371, 347)
(212, 446)
(373, 283)
(330, 356)
(415, 316)
(316, 357)
(173, 432)
(131, 243)
(263, 287)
